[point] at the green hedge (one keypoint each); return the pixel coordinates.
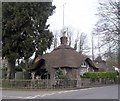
(99, 75)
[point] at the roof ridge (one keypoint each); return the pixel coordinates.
(63, 46)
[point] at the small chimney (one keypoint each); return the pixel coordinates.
(64, 39)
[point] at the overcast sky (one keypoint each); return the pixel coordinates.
(78, 15)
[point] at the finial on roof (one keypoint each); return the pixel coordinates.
(64, 33)
(64, 39)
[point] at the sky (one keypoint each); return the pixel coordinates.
(79, 15)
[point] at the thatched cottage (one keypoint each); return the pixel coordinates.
(100, 64)
(71, 62)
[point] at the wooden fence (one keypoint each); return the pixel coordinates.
(45, 84)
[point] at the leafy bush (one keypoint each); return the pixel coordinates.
(60, 75)
(18, 68)
(99, 75)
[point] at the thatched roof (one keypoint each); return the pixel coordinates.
(91, 63)
(100, 64)
(99, 59)
(64, 56)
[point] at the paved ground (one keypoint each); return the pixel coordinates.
(108, 92)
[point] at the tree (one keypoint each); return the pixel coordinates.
(92, 40)
(82, 42)
(69, 34)
(111, 60)
(83, 47)
(108, 25)
(25, 31)
(55, 40)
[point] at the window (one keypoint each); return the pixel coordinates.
(83, 65)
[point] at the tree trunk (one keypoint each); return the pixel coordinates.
(11, 69)
(119, 48)
(119, 57)
(119, 38)
(26, 64)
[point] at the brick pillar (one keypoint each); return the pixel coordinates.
(52, 78)
(78, 78)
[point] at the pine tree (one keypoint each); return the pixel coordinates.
(24, 31)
